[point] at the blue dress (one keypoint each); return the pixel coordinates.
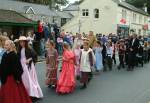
(98, 55)
(2, 51)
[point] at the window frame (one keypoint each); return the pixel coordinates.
(85, 12)
(96, 13)
(134, 17)
(124, 14)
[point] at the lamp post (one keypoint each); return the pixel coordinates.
(79, 17)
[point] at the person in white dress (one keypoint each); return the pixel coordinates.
(28, 58)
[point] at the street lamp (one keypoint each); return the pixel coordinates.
(79, 17)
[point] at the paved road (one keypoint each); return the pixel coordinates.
(110, 87)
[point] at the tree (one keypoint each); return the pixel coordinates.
(140, 3)
(78, 2)
(52, 3)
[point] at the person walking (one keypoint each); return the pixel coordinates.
(121, 53)
(98, 55)
(12, 89)
(52, 64)
(28, 59)
(109, 54)
(133, 50)
(66, 82)
(87, 61)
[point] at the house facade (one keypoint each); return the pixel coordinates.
(107, 16)
(131, 19)
(15, 24)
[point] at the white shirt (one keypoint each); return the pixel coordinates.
(77, 41)
(110, 51)
(133, 41)
(85, 62)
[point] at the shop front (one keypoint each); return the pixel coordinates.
(122, 30)
(15, 24)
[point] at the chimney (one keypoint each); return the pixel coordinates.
(145, 8)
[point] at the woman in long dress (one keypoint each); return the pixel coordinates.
(29, 77)
(12, 89)
(51, 63)
(98, 54)
(66, 82)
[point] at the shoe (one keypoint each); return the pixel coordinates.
(118, 67)
(83, 87)
(104, 70)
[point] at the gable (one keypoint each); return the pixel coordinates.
(30, 11)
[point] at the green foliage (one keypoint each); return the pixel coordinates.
(51, 3)
(78, 2)
(140, 3)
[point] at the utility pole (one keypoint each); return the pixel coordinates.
(79, 16)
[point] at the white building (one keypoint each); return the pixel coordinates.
(106, 16)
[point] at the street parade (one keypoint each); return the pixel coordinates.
(82, 57)
(75, 59)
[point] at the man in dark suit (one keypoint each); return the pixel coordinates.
(133, 50)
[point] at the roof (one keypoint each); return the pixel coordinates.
(21, 7)
(9, 16)
(75, 7)
(72, 7)
(130, 7)
(64, 14)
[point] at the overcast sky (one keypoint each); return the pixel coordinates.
(71, 1)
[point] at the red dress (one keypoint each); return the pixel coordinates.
(11, 72)
(11, 92)
(66, 82)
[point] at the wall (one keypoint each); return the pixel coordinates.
(135, 25)
(105, 24)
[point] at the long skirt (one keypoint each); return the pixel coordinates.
(11, 92)
(66, 82)
(85, 77)
(51, 77)
(30, 81)
(99, 62)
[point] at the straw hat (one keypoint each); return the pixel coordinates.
(22, 38)
(85, 39)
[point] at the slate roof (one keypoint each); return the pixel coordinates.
(21, 7)
(72, 7)
(9, 16)
(64, 14)
(130, 7)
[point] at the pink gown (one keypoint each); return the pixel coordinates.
(66, 82)
(29, 78)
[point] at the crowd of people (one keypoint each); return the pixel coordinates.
(81, 56)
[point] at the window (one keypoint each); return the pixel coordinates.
(124, 14)
(85, 12)
(145, 20)
(63, 21)
(134, 17)
(144, 32)
(139, 32)
(43, 18)
(140, 19)
(96, 13)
